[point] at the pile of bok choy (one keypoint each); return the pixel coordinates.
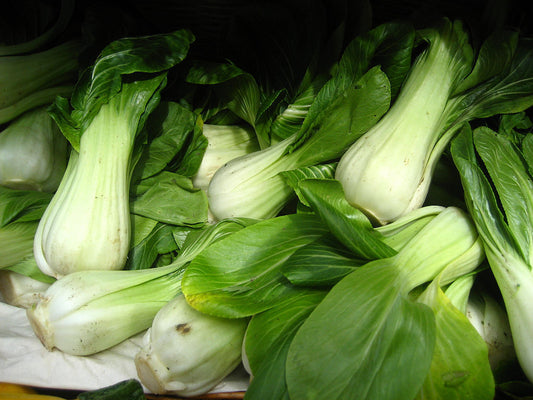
(353, 221)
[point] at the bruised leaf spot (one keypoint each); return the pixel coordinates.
(183, 328)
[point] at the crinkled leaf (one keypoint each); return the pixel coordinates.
(170, 128)
(235, 87)
(172, 199)
(159, 241)
(102, 81)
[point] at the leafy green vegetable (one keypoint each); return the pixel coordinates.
(240, 275)
(339, 109)
(388, 171)
(87, 225)
(88, 311)
(267, 341)
(384, 172)
(131, 389)
(496, 177)
(368, 321)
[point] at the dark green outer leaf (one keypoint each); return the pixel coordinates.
(509, 92)
(321, 263)
(236, 88)
(328, 134)
(240, 275)
(509, 174)
(363, 341)
(479, 196)
(388, 45)
(268, 337)
(172, 199)
(169, 127)
(206, 73)
(148, 54)
(22, 205)
(130, 389)
(159, 241)
(351, 227)
(494, 56)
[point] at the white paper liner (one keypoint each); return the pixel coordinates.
(25, 361)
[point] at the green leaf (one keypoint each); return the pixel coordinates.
(172, 199)
(159, 241)
(389, 45)
(267, 342)
(169, 128)
(323, 262)
(511, 91)
(240, 275)
(494, 56)
(236, 88)
(460, 368)
(346, 115)
(351, 227)
(199, 239)
(22, 205)
(480, 198)
(294, 176)
(29, 268)
(363, 341)
(151, 55)
(509, 174)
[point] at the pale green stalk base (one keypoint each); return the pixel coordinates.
(87, 224)
(188, 353)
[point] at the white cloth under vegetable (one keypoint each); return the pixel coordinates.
(25, 361)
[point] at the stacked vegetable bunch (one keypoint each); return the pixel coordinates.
(360, 228)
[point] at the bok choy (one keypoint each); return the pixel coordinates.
(340, 109)
(87, 224)
(387, 172)
(370, 319)
(186, 352)
(85, 312)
